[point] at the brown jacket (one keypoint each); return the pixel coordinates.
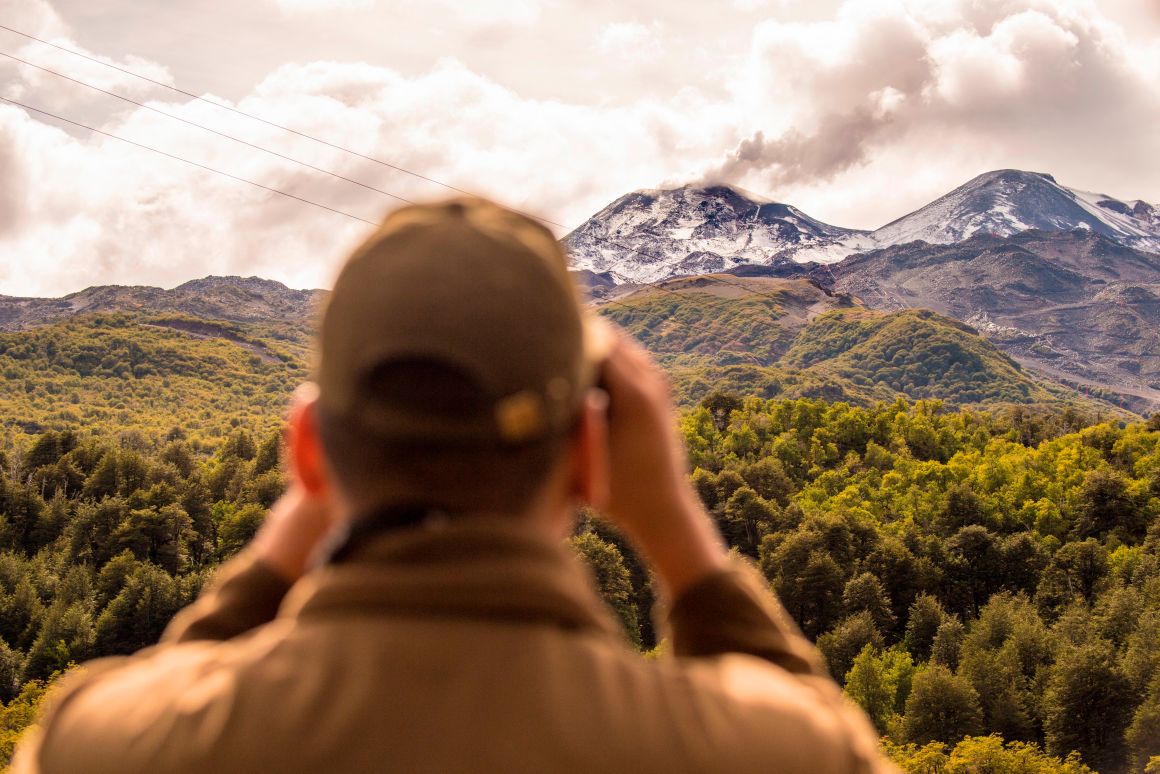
(471, 647)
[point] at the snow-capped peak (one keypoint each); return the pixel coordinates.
(650, 235)
(1010, 201)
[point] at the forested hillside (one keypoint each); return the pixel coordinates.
(109, 374)
(963, 573)
(792, 339)
(985, 565)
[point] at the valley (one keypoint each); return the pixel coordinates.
(1064, 281)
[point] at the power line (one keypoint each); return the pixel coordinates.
(604, 240)
(208, 129)
(256, 184)
(253, 117)
(222, 106)
(126, 71)
(355, 217)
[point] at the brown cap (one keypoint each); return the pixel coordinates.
(457, 323)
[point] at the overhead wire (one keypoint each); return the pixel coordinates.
(254, 117)
(196, 125)
(605, 240)
(175, 157)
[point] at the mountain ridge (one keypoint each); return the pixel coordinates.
(229, 298)
(655, 234)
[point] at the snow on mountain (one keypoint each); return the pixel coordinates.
(651, 235)
(1009, 201)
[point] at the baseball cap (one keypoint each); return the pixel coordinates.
(456, 323)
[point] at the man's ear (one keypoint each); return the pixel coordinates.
(590, 474)
(304, 444)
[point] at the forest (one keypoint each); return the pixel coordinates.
(985, 584)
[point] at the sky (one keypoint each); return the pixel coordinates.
(855, 111)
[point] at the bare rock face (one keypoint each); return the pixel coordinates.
(1077, 306)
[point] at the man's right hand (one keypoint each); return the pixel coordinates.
(651, 498)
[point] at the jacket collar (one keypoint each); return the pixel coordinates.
(480, 567)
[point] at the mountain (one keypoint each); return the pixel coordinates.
(1009, 201)
(648, 236)
(122, 374)
(1076, 305)
(233, 299)
(204, 357)
(652, 235)
(213, 354)
(789, 338)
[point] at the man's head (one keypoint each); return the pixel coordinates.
(454, 362)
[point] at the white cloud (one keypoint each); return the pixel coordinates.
(856, 118)
(98, 211)
(889, 92)
(320, 6)
(629, 42)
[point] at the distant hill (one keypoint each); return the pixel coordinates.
(792, 338)
(111, 374)
(1077, 305)
(233, 299)
(213, 354)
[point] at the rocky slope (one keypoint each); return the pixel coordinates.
(1009, 201)
(776, 337)
(648, 236)
(1077, 305)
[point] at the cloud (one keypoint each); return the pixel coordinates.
(856, 118)
(629, 42)
(97, 211)
(1025, 82)
(36, 17)
(320, 6)
(18, 81)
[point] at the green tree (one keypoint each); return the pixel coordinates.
(974, 570)
(236, 526)
(879, 682)
(1088, 706)
(748, 518)
(1143, 734)
(65, 636)
(806, 578)
(157, 536)
(721, 406)
(20, 713)
(925, 617)
(842, 644)
(1105, 505)
(612, 580)
(139, 613)
(769, 480)
(941, 707)
(864, 593)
